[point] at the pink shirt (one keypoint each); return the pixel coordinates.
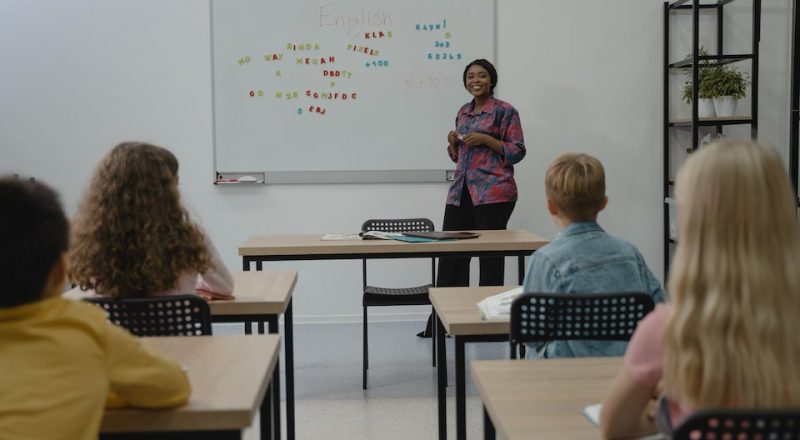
(217, 279)
(644, 359)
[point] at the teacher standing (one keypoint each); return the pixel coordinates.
(485, 146)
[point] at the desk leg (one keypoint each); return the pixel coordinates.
(441, 352)
(461, 391)
(276, 383)
(488, 426)
(265, 414)
(521, 269)
(245, 264)
(288, 340)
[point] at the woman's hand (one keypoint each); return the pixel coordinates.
(474, 139)
(452, 138)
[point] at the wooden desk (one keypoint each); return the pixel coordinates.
(457, 314)
(491, 243)
(259, 297)
(229, 376)
(543, 398)
(497, 243)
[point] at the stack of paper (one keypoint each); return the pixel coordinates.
(498, 306)
(381, 235)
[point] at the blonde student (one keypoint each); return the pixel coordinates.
(133, 237)
(729, 339)
(61, 358)
(583, 258)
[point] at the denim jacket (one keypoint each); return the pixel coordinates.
(583, 258)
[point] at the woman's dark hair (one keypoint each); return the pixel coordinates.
(489, 68)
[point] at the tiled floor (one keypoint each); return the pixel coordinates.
(401, 400)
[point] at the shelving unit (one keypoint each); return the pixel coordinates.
(693, 64)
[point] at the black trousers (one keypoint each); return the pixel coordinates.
(454, 272)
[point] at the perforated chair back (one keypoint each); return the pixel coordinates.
(737, 424)
(176, 315)
(398, 225)
(540, 317)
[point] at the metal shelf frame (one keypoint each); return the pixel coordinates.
(692, 63)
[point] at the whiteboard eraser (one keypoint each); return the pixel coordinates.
(247, 179)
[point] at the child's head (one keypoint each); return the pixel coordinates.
(34, 232)
(132, 235)
(734, 280)
(575, 185)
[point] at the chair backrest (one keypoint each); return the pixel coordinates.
(738, 424)
(398, 225)
(176, 315)
(539, 317)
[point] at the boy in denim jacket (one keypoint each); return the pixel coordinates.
(583, 258)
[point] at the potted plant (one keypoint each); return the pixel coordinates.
(705, 104)
(726, 85)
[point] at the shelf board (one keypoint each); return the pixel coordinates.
(719, 59)
(680, 4)
(706, 122)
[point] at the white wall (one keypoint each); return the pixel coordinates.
(80, 76)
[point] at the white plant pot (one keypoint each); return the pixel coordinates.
(705, 108)
(725, 106)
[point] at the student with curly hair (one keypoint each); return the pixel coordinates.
(132, 236)
(729, 339)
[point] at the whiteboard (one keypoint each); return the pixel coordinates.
(330, 88)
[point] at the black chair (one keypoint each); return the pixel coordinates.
(541, 317)
(738, 424)
(176, 315)
(382, 296)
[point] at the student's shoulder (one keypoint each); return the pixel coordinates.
(621, 244)
(82, 311)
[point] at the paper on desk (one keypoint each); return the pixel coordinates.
(498, 306)
(592, 412)
(331, 237)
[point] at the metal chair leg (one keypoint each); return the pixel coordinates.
(432, 320)
(365, 361)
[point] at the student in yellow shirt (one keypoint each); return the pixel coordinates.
(60, 359)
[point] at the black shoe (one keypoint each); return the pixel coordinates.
(428, 332)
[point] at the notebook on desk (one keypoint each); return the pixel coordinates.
(444, 235)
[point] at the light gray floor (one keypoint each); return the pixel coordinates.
(401, 400)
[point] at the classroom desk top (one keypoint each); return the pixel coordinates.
(267, 292)
(229, 376)
(312, 246)
(457, 308)
(544, 398)
(255, 293)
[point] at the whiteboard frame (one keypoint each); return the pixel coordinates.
(331, 176)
